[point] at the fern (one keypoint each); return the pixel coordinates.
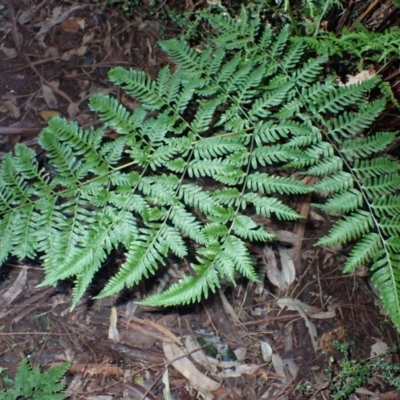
(360, 43)
(193, 163)
(32, 383)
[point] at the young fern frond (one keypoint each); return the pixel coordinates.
(192, 165)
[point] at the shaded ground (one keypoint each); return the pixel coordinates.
(53, 58)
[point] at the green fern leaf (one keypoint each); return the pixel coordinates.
(245, 228)
(347, 201)
(387, 279)
(350, 228)
(386, 206)
(271, 184)
(214, 141)
(266, 206)
(182, 54)
(353, 149)
(336, 183)
(347, 124)
(363, 252)
(374, 168)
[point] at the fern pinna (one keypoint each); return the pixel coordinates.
(189, 164)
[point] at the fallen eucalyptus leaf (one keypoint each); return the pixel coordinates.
(181, 363)
(239, 371)
(196, 352)
(301, 308)
(49, 96)
(277, 362)
(288, 268)
(266, 351)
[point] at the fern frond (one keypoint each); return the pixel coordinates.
(27, 167)
(336, 183)
(275, 184)
(386, 277)
(326, 167)
(189, 289)
(351, 227)
(310, 71)
(182, 55)
(374, 168)
(139, 85)
(245, 227)
(217, 146)
(363, 252)
(187, 223)
(266, 206)
(390, 226)
(381, 186)
(204, 115)
(263, 106)
(356, 148)
(279, 44)
(227, 196)
(350, 124)
(338, 99)
(6, 245)
(145, 253)
(115, 115)
(347, 201)
(211, 144)
(22, 228)
(214, 231)
(235, 249)
(386, 206)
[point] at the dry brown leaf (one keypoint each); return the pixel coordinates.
(277, 362)
(51, 51)
(48, 114)
(288, 270)
(271, 266)
(282, 278)
(88, 37)
(288, 338)
(129, 103)
(360, 77)
(292, 367)
(196, 352)
(113, 333)
(239, 370)
(80, 51)
(49, 96)
(324, 314)
(11, 106)
(187, 369)
(58, 16)
(166, 390)
(73, 110)
(287, 237)
(302, 309)
(327, 339)
(26, 15)
(84, 118)
(228, 308)
(72, 24)
(266, 351)
(15, 289)
(9, 52)
(379, 348)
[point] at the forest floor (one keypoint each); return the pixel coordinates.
(53, 56)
